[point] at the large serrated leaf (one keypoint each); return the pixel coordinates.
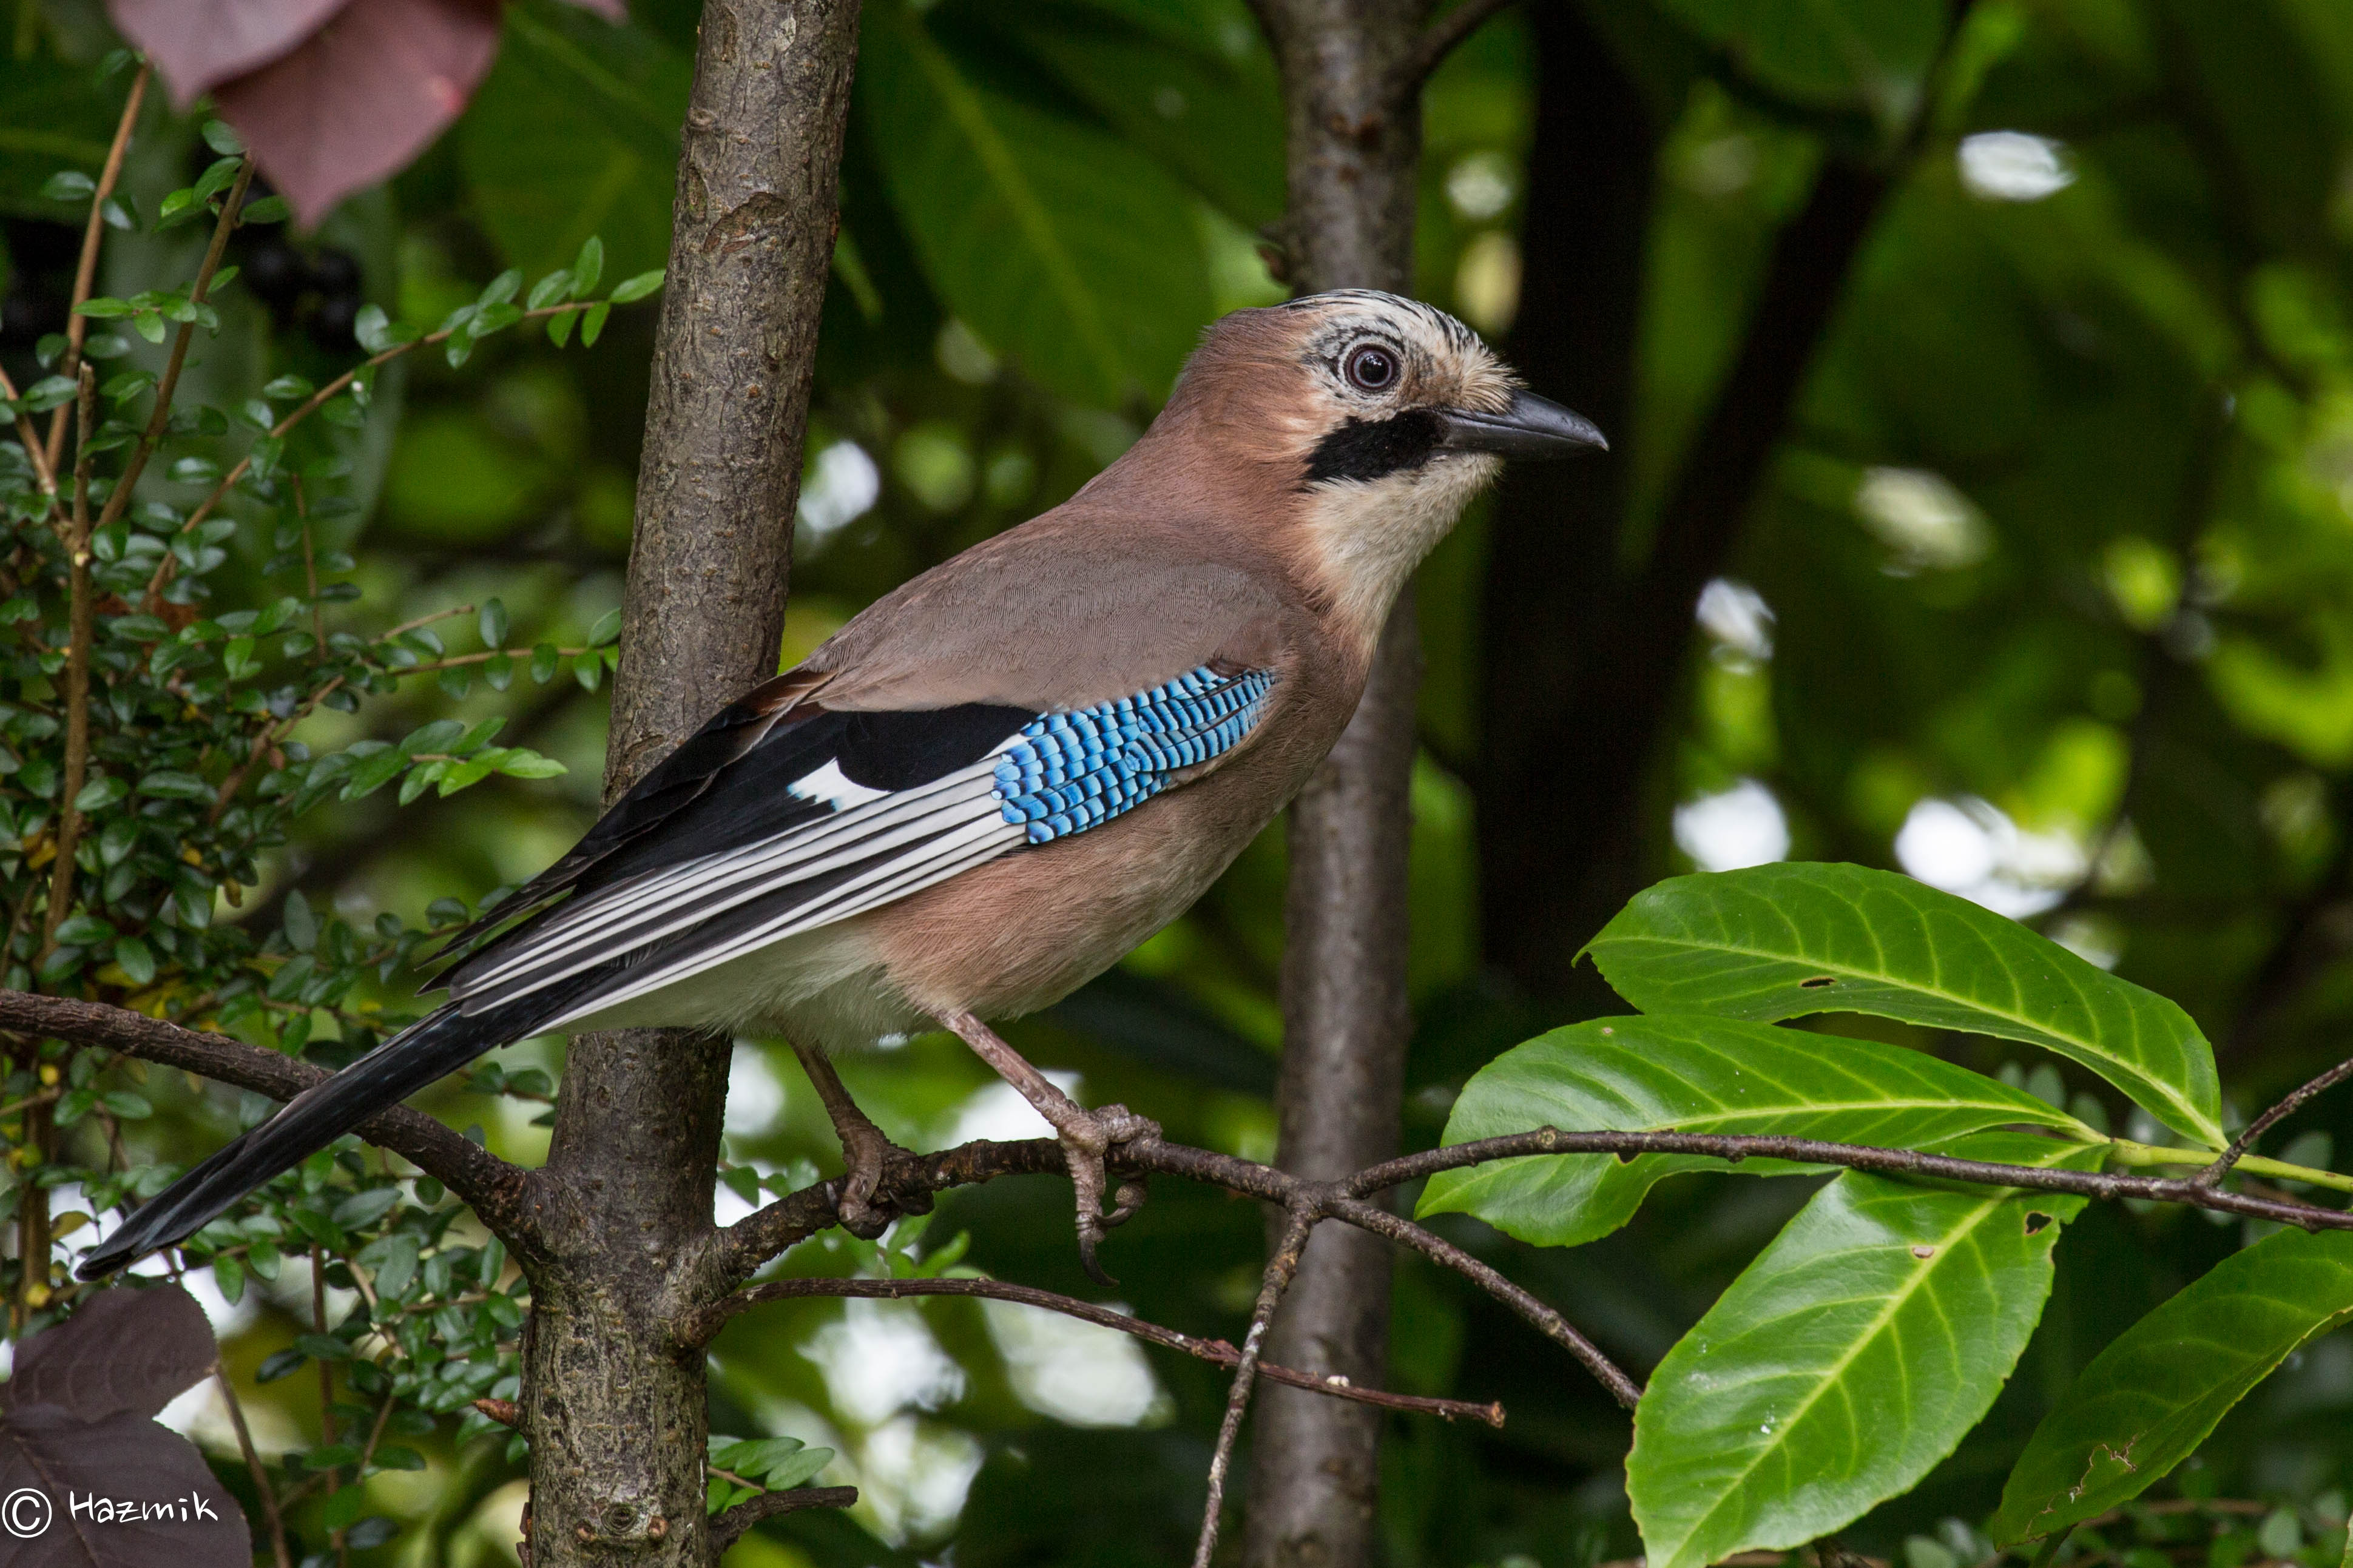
(2146, 1402)
(1849, 1358)
(1781, 942)
(1689, 1073)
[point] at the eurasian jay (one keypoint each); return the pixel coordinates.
(1007, 773)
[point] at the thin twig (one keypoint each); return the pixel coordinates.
(1852, 1156)
(264, 743)
(484, 657)
(1547, 1321)
(1281, 1268)
(86, 265)
(83, 632)
(326, 1367)
(173, 362)
(1441, 39)
(2268, 1119)
(262, 1486)
(43, 474)
(698, 1331)
(318, 400)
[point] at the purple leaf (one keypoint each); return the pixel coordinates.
(199, 44)
(117, 1493)
(361, 95)
(125, 1351)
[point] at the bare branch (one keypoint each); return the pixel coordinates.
(1856, 1157)
(504, 1195)
(1442, 38)
(698, 1330)
(261, 1487)
(725, 1530)
(1281, 1266)
(160, 420)
(86, 265)
(2267, 1120)
(1548, 1323)
(43, 475)
(83, 632)
(312, 404)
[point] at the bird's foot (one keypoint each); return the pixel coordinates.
(862, 1202)
(868, 1154)
(1087, 1137)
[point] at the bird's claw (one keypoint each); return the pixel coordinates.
(1086, 1144)
(868, 1159)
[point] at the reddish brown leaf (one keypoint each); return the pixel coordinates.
(123, 1351)
(198, 44)
(117, 1493)
(361, 95)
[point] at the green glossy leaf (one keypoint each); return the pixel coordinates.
(1781, 942)
(573, 135)
(1877, 55)
(1846, 1361)
(1694, 1074)
(1060, 245)
(2146, 1402)
(1204, 102)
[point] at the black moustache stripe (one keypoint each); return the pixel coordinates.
(1371, 449)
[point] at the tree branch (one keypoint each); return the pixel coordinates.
(698, 1331)
(1442, 38)
(119, 499)
(1547, 1321)
(1281, 1268)
(86, 264)
(725, 1529)
(505, 1196)
(2267, 1120)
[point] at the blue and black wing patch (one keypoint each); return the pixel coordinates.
(827, 815)
(1068, 772)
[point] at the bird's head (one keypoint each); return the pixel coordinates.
(1378, 418)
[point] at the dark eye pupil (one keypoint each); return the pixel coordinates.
(1372, 369)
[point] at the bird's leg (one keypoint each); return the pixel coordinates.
(864, 1151)
(1086, 1136)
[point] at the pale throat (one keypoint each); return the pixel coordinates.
(1365, 538)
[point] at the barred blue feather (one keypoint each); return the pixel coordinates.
(1066, 773)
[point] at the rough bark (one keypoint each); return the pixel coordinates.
(1352, 155)
(614, 1407)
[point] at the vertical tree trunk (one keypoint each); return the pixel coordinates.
(616, 1411)
(1353, 147)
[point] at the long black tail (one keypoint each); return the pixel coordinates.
(438, 1044)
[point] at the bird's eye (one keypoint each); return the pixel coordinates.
(1371, 368)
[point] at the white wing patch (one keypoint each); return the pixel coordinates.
(830, 784)
(887, 846)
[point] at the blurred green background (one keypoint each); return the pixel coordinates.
(2044, 596)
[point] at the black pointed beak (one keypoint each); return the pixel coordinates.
(1531, 426)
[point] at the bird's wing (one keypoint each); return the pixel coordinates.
(830, 814)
